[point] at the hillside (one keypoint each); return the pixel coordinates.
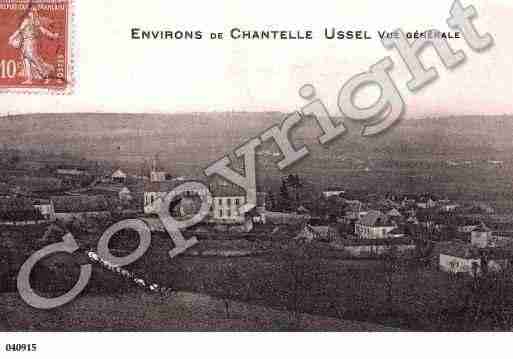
(207, 136)
(461, 157)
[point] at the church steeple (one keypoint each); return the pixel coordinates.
(156, 175)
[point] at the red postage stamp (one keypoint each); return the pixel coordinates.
(35, 45)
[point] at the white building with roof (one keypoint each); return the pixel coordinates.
(119, 176)
(472, 259)
(155, 193)
(228, 202)
(318, 233)
(482, 237)
(332, 191)
(374, 225)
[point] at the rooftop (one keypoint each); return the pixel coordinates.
(394, 213)
(227, 191)
(119, 174)
(323, 231)
(374, 218)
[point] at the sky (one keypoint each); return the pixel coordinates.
(116, 74)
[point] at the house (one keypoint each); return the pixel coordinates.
(467, 225)
(333, 191)
(426, 202)
(302, 210)
(374, 225)
(125, 194)
(158, 176)
(394, 214)
(482, 237)
(119, 176)
(459, 258)
(386, 205)
(253, 214)
(187, 207)
(68, 208)
(228, 200)
(155, 193)
(465, 258)
(318, 233)
(412, 220)
(479, 208)
(45, 207)
(408, 202)
(446, 205)
(355, 206)
(354, 211)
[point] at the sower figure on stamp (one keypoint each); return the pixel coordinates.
(26, 38)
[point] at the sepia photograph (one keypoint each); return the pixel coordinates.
(255, 168)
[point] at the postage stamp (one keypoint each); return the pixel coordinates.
(35, 45)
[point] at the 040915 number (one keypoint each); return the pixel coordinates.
(20, 347)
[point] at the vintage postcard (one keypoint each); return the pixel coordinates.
(255, 167)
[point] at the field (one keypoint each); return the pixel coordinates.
(300, 279)
(297, 278)
(182, 311)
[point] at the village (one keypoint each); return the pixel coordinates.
(362, 224)
(455, 239)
